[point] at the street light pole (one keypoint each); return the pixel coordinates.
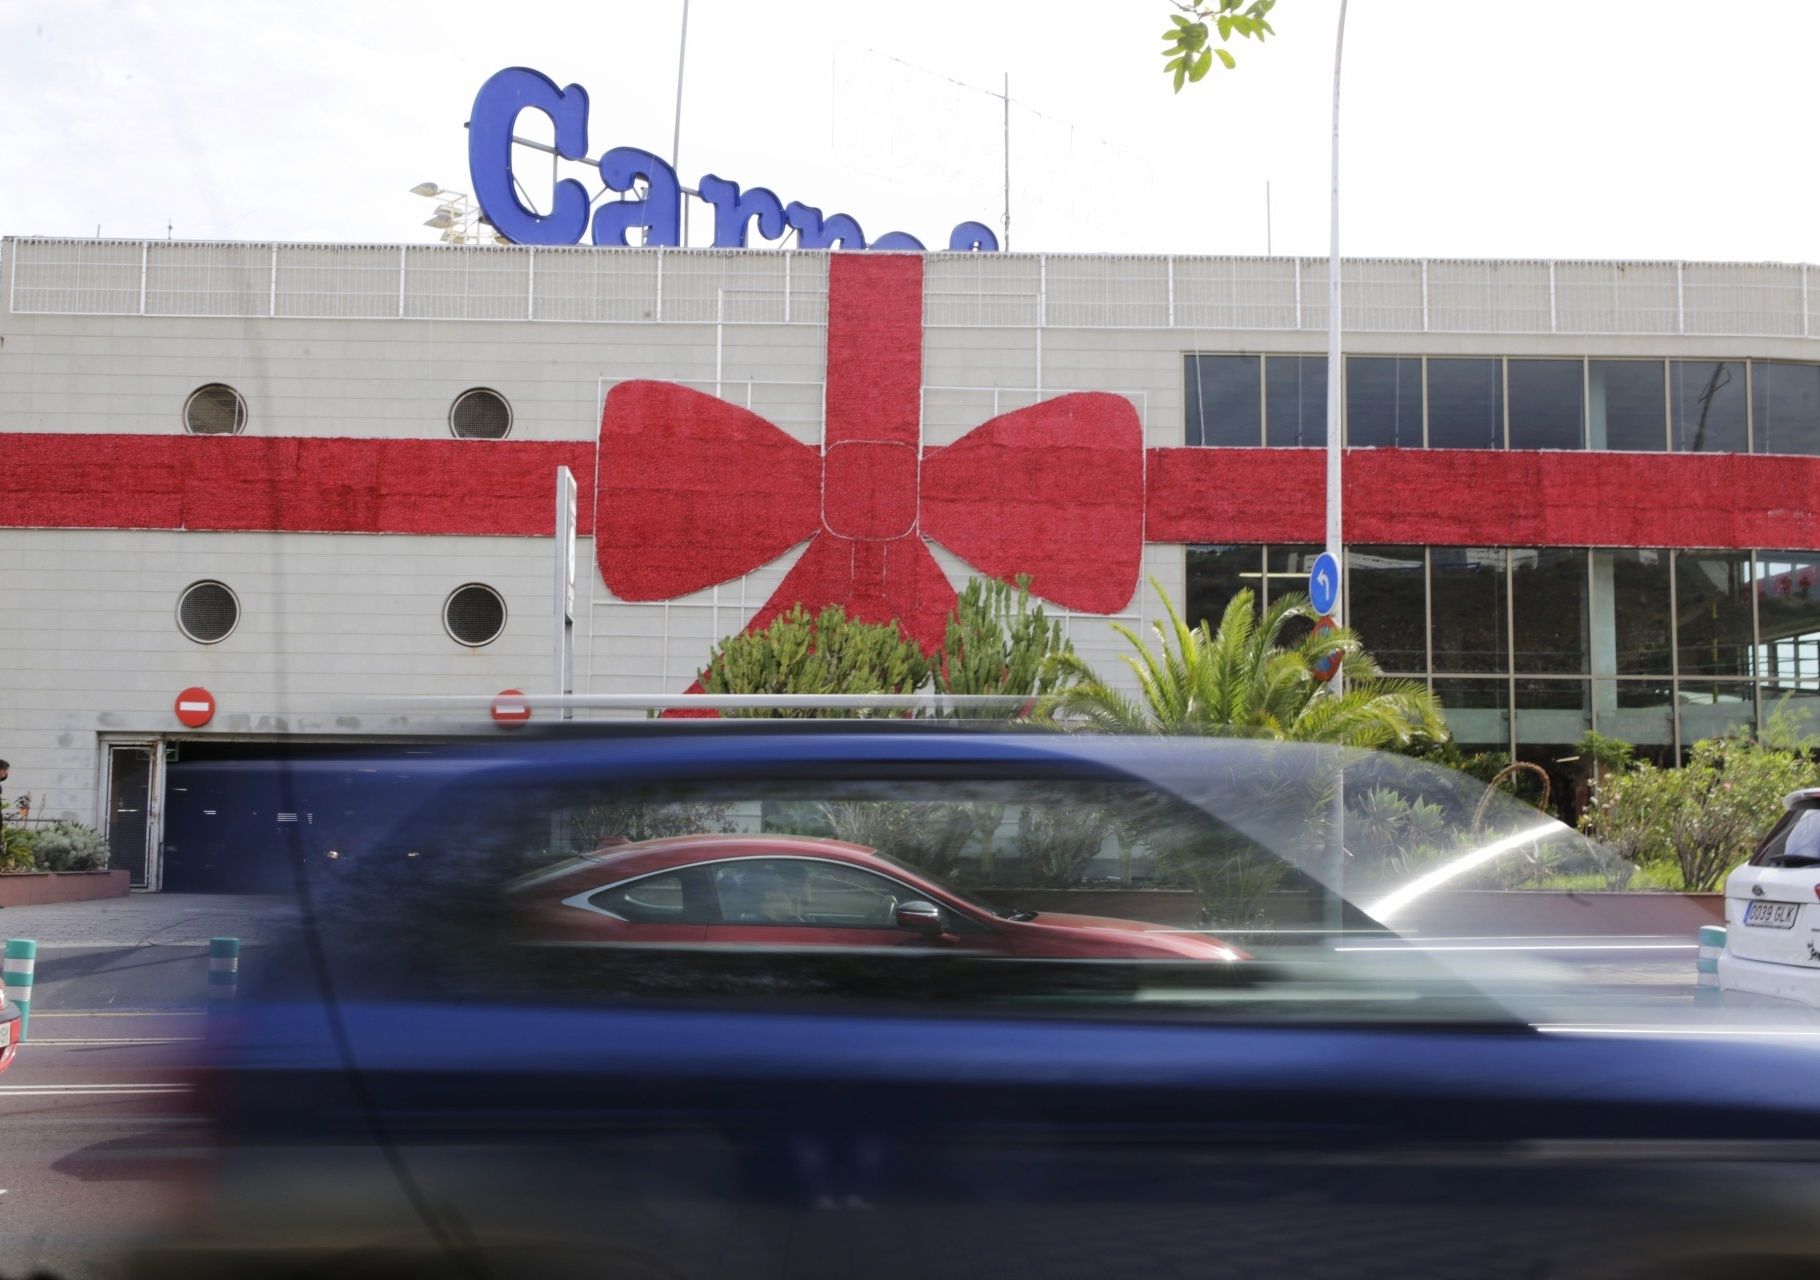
(1336, 846)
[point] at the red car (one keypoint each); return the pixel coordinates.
(802, 891)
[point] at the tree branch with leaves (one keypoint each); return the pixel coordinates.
(1189, 43)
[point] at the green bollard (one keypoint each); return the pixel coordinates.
(1706, 964)
(21, 959)
(224, 973)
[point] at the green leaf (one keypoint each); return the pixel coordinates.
(1178, 19)
(1227, 58)
(1180, 74)
(1201, 66)
(1171, 66)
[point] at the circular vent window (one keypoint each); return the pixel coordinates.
(214, 410)
(480, 414)
(207, 612)
(475, 614)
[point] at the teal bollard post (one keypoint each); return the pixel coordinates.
(224, 973)
(1706, 966)
(21, 959)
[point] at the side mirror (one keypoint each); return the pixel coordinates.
(921, 917)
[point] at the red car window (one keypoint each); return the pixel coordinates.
(798, 891)
(671, 897)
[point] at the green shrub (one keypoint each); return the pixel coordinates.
(828, 654)
(17, 854)
(69, 846)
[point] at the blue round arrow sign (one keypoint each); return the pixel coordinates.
(1324, 583)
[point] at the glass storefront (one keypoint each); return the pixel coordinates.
(1530, 647)
(1515, 402)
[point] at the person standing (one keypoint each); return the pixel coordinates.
(3, 770)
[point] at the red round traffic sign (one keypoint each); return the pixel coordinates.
(195, 707)
(1327, 666)
(510, 707)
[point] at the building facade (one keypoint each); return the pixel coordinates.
(315, 481)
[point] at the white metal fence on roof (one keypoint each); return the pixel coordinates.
(993, 290)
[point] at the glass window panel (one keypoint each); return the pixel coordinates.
(1477, 711)
(1216, 575)
(1547, 402)
(1708, 400)
(1465, 404)
(1384, 402)
(1468, 604)
(1631, 613)
(1552, 714)
(1713, 606)
(1287, 572)
(1788, 621)
(1711, 708)
(1295, 401)
(1388, 605)
(1638, 711)
(1626, 406)
(1785, 401)
(1548, 610)
(1225, 404)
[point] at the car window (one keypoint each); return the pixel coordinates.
(1794, 839)
(667, 898)
(796, 891)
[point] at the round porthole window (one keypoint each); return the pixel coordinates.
(474, 615)
(207, 612)
(214, 410)
(480, 414)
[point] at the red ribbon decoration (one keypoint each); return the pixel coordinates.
(695, 491)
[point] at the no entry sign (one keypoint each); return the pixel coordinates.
(195, 707)
(510, 707)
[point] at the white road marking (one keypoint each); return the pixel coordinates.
(87, 1090)
(1545, 946)
(119, 1040)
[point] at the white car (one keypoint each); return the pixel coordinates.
(1772, 910)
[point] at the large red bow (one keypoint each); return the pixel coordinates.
(694, 491)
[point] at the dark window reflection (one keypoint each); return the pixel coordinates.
(1546, 402)
(1295, 401)
(1713, 607)
(1225, 405)
(1477, 711)
(1627, 406)
(1286, 572)
(1465, 404)
(1215, 576)
(1388, 604)
(1708, 400)
(1552, 716)
(1631, 613)
(1788, 619)
(1384, 402)
(1469, 609)
(1785, 401)
(1548, 609)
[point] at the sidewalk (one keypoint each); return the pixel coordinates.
(146, 951)
(148, 920)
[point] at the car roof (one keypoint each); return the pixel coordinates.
(643, 857)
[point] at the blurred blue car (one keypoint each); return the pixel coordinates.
(419, 1083)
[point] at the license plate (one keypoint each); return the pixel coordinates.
(1772, 915)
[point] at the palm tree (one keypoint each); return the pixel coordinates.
(1240, 680)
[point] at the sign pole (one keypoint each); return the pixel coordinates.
(564, 619)
(1336, 852)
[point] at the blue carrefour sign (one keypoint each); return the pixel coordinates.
(657, 212)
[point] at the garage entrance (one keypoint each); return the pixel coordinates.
(236, 813)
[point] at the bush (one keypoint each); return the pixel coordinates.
(828, 654)
(1705, 817)
(17, 854)
(69, 846)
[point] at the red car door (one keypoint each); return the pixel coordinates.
(809, 902)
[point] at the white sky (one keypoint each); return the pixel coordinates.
(1605, 128)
